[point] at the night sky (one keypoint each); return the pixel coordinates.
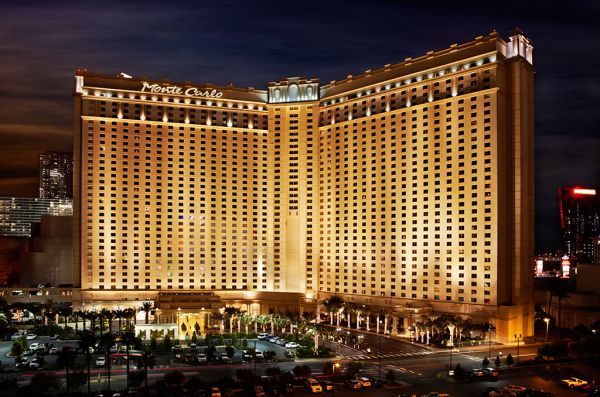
(251, 43)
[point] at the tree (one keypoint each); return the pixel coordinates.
(230, 352)
(65, 312)
(333, 304)
(66, 360)
(167, 343)
(106, 314)
(497, 361)
(230, 312)
(174, 378)
(149, 361)
(245, 376)
(107, 340)
(485, 363)
(128, 339)
(88, 340)
(302, 371)
(353, 368)
(147, 307)
(41, 382)
(136, 378)
(19, 346)
(77, 379)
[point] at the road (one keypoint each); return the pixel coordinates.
(419, 368)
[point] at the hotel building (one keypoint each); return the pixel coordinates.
(408, 187)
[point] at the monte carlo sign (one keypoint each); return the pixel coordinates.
(177, 90)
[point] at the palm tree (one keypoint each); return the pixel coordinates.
(3, 319)
(147, 307)
(35, 309)
(230, 312)
(65, 312)
(262, 320)
(119, 315)
(88, 339)
(128, 338)
(149, 361)
(246, 319)
(66, 359)
(333, 304)
(221, 318)
(110, 316)
(107, 341)
(129, 314)
(76, 315)
(48, 309)
(105, 314)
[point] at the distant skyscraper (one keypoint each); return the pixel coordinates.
(56, 175)
(580, 221)
(18, 213)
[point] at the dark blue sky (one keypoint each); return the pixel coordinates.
(250, 43)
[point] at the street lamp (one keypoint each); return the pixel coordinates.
(547, 321)
(518, 337)
(335, 365)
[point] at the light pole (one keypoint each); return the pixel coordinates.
(490, 341)
(335, 365)
(547, 321)
(519, 336)
(379, 366)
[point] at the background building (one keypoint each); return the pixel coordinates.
(56, 175)
(406, 187)
(580, 221)
(18, 213)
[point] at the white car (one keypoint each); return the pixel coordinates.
(201, 358)
(100, 361)
(259, 354)
(53, 350)
(291, 345)
(34, 364)
(31, 336)
(33, 346)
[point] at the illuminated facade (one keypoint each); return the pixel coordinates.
(56, 175)
(580, 221)
(408, 186)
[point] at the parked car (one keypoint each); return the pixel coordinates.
(34, 363)
(100, 361)
(263, 335)
(53, 350)
(515, 388)
(176, 349)
(16, 336)
(327, 385)
(502, 393)
(258, 354)
(31, 336)
(33, 346)
(201, 358)
(573, 382)
(259, 391)
(291, 345)
(353, 384)
(312, 385)
(365, 382)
